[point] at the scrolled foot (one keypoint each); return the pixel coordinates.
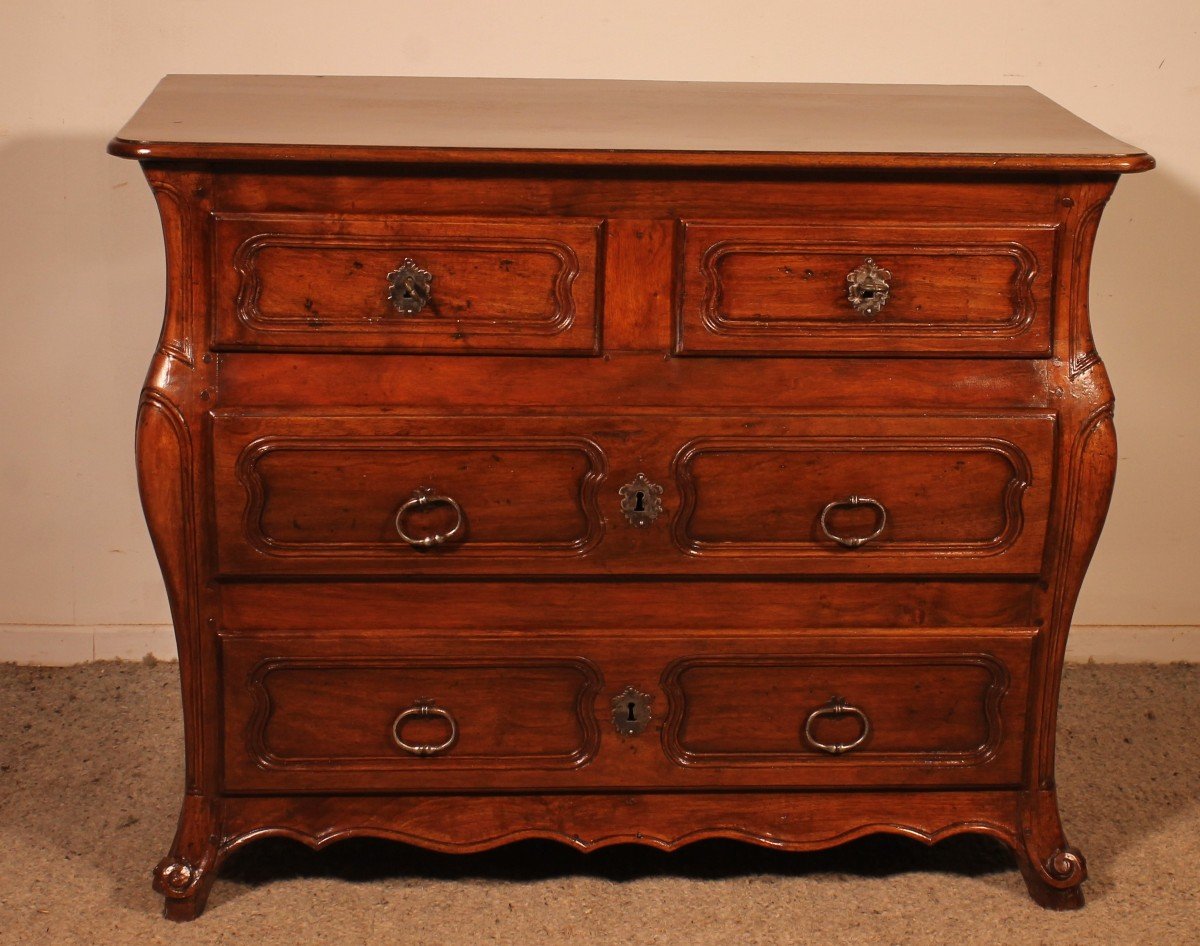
(184, 886)
(185, 876)
(1052, 868)
(1055, 883)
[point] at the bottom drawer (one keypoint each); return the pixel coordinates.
(625, 711)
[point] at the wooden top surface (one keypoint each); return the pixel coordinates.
(584, 121)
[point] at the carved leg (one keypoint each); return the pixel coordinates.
(1053, 870)
(185, 876)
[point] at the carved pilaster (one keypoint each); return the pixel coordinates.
(165, 448)
(1091, 472)
(168, 453)
(1089, 204)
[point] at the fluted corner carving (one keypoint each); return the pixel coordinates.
(1083, 352)
(173, 209)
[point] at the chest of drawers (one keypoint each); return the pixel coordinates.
(621, 462)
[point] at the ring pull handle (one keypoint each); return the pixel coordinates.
(409, 287)
(835, 708)
(423, 499)
(868, 288)
(423, 709)
(853, 542)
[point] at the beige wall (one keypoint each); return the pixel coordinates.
(81, 273)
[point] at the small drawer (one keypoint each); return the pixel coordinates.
(752, 289)
(394, 283)
(348, 712)
(326, 494)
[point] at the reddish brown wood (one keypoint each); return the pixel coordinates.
(782, 290)
(451, 120)
(320, 494)
(315, 713)
(290, 411)
(724, 604)
(316, 281)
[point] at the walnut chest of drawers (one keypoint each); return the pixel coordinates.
(621, 462)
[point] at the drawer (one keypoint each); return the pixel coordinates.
(392, 283)
(299, 712)
(754, 289)
(798, 709)
(305, 493)
(803, 708)
(869, 493)
(382, 493)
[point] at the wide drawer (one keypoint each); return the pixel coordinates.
(755, 289)
(345, 282)
(646, 494)
(625, 710)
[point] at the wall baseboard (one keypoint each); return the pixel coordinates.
(63, 644)
(59, 645)
(1134, 643)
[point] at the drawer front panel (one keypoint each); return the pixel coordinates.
(416, 711)
(295, 714)
(766, 494)
(303, 493)
(305, 281)
(755, 289)
(873, 493)
(942, 707)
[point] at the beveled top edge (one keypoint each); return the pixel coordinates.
(616, 122)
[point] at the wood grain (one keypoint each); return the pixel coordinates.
(614, 122)
(630, 278)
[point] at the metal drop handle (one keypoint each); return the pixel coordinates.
(853, 542)
(423, 498)
(835, 708)
(423, 709)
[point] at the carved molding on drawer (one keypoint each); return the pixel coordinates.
(557, 319)
(250, 476)
(590, 685)
(674, 688)
(1011, 504)
(1024, 304)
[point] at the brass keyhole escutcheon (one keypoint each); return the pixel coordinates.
(640, 501)
(631, 711)
(409, 287)
(869, 288)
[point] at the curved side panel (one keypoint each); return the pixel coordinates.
(1091, 472)
(166, 459)
(164, 450)
(164, 467)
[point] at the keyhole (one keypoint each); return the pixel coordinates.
(867, 293)
(632, 713)
(639, 505)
